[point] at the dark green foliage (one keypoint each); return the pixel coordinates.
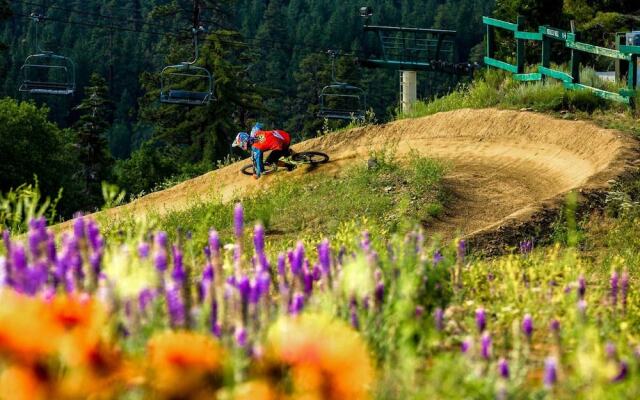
(96, 113)
(146, 167)
(32, 146)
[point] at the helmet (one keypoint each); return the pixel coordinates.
(257, 127)
(242, 140)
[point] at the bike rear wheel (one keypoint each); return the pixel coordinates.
(310, 157)
(268, 169)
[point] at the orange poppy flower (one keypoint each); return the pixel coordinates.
(326, 359)
(184, 364)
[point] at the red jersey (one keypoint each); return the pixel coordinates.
(271, 140)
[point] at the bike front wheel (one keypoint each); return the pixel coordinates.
(310, 157)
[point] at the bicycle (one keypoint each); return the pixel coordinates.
(303, 158)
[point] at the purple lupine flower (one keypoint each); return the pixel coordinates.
(161, 239)
(95, 261)
(18, 258)
(258, 238)
(51, 248)
(298, 259)
(244, 287)
(614, 281)
(297, 304)
(214, 243)
(307, 280)
(79, 227)
(485, 345)
(160, 260)
(461, 250)
(503, 368)
(365, 243)
(437, 258)
(254, 292)
(554, 326)
(316, 273)
(238, 221)
(465, 346)
(624, 288)
(419, 311)
(438, 317)
(526, 247)
(355, 322)
(93, 235)
(582, 286)
(240, 336)
(324, 256)
(144, 298)
(178, 274)
(6, 239)
(264, 282)
(623, 371)
(527, 326)
(143, 250)
(550, 372)
(34, 239)
(282, 272)
(205, 283)
(481, 320)
(175, 306)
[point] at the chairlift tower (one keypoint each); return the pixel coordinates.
(410, 50)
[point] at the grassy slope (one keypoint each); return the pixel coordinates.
(392, 196)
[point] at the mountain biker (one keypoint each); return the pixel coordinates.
(276, 141)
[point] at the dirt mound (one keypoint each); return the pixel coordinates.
(505, 165)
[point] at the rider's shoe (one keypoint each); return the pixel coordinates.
(284, 164)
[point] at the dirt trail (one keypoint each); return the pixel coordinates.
(503, 164)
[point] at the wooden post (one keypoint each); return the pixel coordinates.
(520, 43)
(491, 41)
(575, 57)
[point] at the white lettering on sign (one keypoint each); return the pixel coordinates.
(556, 34)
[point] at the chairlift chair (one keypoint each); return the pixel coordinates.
(46, 72)
(341, 100)
(186, 83)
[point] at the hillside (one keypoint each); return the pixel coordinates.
(505, 166)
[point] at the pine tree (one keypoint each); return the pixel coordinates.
(96, 113)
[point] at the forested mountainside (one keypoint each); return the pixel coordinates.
(268, 58)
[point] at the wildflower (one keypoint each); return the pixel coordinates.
(419, 311)
(439, 319)
(582, 286)
(214, 244)
(297, 259)
(25, 383)
(238, 221)
(623, 371)
(554, 327)
(297, 304)
(175, 306)
(481, 320)
(624, 288)
(550, 372)
(437, 258)
(614, 281)
(241, 336)
(258, 238)
(527, 326)
(181, 364)
(503, 368)
(179, 275)
(143, 250)
(334, 369)
(465, 346)
(324, 256)
(485, 346)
